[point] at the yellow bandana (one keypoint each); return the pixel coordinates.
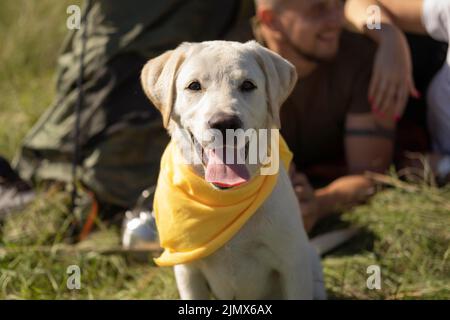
(193, 218)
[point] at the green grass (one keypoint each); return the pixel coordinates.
(406, 233)
(405, 229)
(31, 34)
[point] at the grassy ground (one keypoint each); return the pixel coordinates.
(405, 229)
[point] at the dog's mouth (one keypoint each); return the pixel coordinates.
(220, 172)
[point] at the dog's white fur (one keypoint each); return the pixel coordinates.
(270, 257)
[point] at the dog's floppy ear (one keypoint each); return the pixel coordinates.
(158, 80)
(281, 78)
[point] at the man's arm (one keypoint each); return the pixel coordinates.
(407, 15)
(369, 147)
(392, 79)
(369, 143)
(357, 14)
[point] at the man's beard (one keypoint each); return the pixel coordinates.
(306, 55)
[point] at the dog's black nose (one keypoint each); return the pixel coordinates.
(223, 121)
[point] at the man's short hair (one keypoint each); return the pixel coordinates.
(269, 3)
(265, 2)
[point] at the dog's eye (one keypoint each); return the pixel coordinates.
(247, 86)
(195, 86)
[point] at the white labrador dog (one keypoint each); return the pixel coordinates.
(231, 85)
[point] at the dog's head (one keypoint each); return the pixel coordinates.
(206, 91)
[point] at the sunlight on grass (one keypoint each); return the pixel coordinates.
(411, 237)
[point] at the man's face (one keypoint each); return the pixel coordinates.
(313, 27)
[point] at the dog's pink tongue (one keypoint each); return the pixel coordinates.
(223, 174)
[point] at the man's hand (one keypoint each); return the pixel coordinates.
(306, 198)
(392, 80)
(341, 194)
(346, 192)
